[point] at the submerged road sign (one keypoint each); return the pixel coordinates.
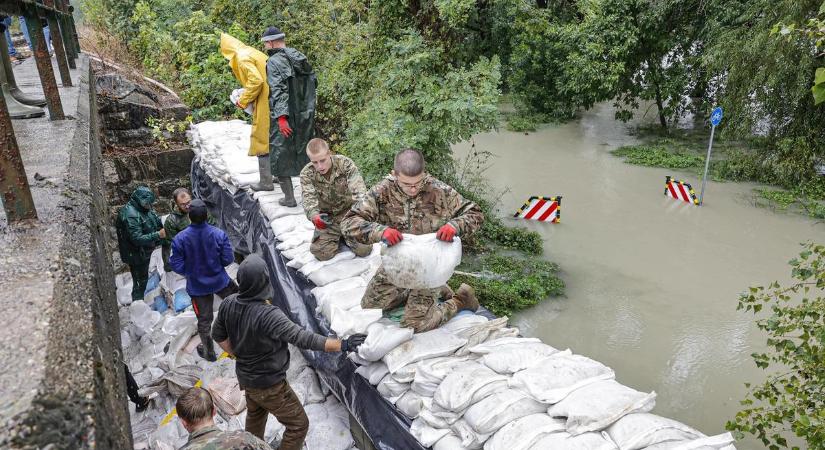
(715, 119)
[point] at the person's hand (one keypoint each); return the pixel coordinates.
(238, 104)
(162, 233)
(283, 125)
(320, 221)
(446, 233)
(391, 236)
(352, 343)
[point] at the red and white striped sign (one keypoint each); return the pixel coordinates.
(680, 191)
(544, 209)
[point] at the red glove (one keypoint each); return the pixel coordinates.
(391, 236)
(446, 233)
(319, 222)
(284, 126)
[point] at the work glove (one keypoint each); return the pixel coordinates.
(284, 126)
(391, 237)
(352, 343)
(446, 233)
(321, 221)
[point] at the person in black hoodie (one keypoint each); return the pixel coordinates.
(256, 333)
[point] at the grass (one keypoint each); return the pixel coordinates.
(658, 156)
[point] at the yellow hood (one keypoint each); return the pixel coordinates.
(234, 50)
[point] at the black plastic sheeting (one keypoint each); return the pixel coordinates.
(249, 231)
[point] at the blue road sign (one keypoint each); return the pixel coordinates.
(716, 116)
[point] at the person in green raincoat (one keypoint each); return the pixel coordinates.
(139, 231)
(292, 84)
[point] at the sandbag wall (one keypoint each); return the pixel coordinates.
(473, 383)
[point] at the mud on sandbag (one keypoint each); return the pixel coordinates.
(421, 261)
(492, 413)
(429, 344)
(553, 378)
(597, 405)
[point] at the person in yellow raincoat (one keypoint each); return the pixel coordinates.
(249, 67)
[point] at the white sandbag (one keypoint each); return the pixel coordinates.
(449, 442)
(410, 404)
(499, 409)
(302, 259)
(382, 337)
(522, 433)
(429, 344)
(425, 434)
(462, 321)
(314, 265)
(483, 332)
(641, 430)
(345, 269)
(421, 262)
(295, 251)
(427, 415)
(597, 405)
(391, 389)
(430, 372)
(469, 437)
(513, 358)
(307, 387)
(584, 441)
(227, 396)
(722, 441)
(345, 300)
(493, 345)
(405, 374)
(174, 325)
(333, 288)
(346, 323)
(290, 243)
(374, 372)
(329, 429)
(467, 385)
(143, 318)
(287, 223)
(554, 377)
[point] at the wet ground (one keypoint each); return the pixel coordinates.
(652, 283)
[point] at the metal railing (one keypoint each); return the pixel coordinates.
(14, 186)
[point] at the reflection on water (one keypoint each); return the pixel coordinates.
(652, 283)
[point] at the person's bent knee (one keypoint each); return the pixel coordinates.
(321, 254)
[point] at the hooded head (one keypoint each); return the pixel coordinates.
(233, 50)
(253, 280)
(143, 198)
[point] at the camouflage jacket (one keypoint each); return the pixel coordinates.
(386, 205)
(333, 193)
(212, 438)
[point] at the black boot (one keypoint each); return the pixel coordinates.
(286, 188)
(206, 349)
(266, 175)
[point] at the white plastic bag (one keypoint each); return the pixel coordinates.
(430, 372)
(382, 337)
(346, 323)
(288, 223)
(522, 433)
(597, 405)
(332, 289)
(429, 344)
(314, 265)
(483, 332)
(345, 300)
(499, 409)
(236, 95)
(462, 321)
(345, 269)
(513, 358)
(421, 261)
(295, 251)
(554, 377)
(466, 385)
(641, 430)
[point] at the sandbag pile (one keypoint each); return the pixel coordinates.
(473, 383)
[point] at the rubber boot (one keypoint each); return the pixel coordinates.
(445, 293)
(266, 175)
(8, 74)
(465, 298)
(286, 188)
(206, 349)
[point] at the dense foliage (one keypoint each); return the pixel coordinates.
(791, 397)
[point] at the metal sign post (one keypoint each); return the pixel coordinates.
(715, 119)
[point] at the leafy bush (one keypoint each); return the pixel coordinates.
(656, 156)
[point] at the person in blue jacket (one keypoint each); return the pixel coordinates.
(200, 252)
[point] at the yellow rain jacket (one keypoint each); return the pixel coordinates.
(249, 66)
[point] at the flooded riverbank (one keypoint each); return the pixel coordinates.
(652, 283)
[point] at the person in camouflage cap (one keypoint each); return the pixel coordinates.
(411, 201)
(331, 184)
(197, 411)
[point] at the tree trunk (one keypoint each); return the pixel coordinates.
(659, 104)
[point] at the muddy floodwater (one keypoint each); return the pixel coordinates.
(652, 283)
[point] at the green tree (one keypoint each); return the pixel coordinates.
(791, 399)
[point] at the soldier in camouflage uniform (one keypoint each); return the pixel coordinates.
(411, 201)
(196, 411)
(331, 184)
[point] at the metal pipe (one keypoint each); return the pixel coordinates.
(14, 186)
(707, 165)
(44, 66)
(59, 49)
(64, 30)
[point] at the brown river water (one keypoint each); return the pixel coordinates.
(652, 283)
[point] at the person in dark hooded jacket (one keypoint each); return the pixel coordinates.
(139, 231)
(256, 332)
(292, 84)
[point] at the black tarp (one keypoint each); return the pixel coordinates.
(249, 231)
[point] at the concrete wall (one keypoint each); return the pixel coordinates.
(81, 400)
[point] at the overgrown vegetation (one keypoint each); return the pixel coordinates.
(790, 399)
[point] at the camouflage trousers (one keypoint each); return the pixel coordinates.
(325, 243)
(423, 310)
(280, 401)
